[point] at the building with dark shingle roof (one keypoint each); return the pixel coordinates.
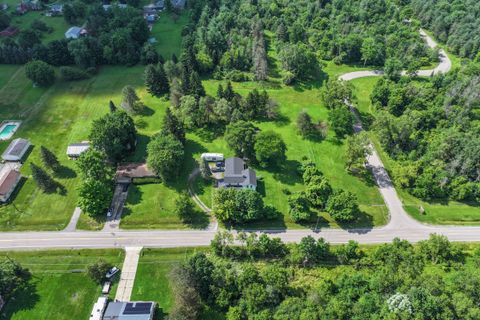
(16, 150)
(9, 180)
(238, 175)
(129, 311)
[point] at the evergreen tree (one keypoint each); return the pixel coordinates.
(161, 59)
(174, 58)
(305, 125)
(112, 106)
(185, 81)
(129, 98)
(196, 87)
(156, 80)
(171, 125)
(42, 179)
(229, 94)
(220, 93)
(49, 159)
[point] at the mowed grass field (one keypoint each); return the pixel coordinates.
(152, 281)
(59, 288)
(449, 212)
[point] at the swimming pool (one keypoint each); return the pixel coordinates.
(8, 128)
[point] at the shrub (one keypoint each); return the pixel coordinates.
(72, 74)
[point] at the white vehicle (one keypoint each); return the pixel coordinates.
(109, 213)
(112, 272)
(212, 157)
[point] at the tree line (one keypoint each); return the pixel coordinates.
(258, 277)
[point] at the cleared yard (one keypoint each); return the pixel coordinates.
(59, 289)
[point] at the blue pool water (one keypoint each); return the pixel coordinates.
(7, 131)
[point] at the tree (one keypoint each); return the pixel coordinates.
(298, 60)
(165, 156)
(336, 93)
(97, 271)
(156, 80)
(187, 300)
(41, 73)
(358, 148)
(270, 148)
(42, 179)
(28, 38)
(372, 51)
(318, 191)
(13, 278)
(112, 106)
(313, 251)
(4, 20)
(260, 62)
(237, 205)
(49, 159)
(393, 69)
(437, 249)
(95, 196)
(240, 137)
(196, 88)
(298, 207)
(129, 99)
(305, 126)
(115, 135)
(93, 165)
(184, 207)
(171, 125)
(343, 206)
(341, 121)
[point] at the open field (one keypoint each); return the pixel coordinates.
(59, 288)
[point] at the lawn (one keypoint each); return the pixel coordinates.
(60, 115)
(167, 30)
(152, 280)
(59, 287)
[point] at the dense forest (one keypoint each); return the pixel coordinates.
(230, 37)
(455, 23)
(431, 127)
(263, 278)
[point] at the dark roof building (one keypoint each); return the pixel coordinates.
(16, 150)
(9, 180)
(238, 175)
(129, 311)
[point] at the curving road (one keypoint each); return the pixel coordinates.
(400, 224)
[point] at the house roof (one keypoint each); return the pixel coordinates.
(74, 31)
(129, 311)
(237, 173)
(8, 181)
(179, 3)
(17, 148)
(75, 149)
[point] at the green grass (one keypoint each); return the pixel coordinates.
(59, 288)
(167, 31)
(152, 280)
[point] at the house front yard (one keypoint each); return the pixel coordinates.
(59, 288)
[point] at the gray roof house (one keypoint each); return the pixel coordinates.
(129, 311)
(73, 33)
(179, 4)
(237, 175)
(16, 150)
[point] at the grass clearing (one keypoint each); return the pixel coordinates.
(59, 288)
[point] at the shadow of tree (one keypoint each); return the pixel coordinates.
(25, 298)
(288, 173)
(65, 172)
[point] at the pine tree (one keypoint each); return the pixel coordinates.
(163, 83)
(171, 125)
(185, 81)
(49, 159)
(229, 94)
(152, 82)
(220, 93)
(112, 107)
(41, 178)
(196, 87)
(174, 58)
(129, 99)
(161, 59)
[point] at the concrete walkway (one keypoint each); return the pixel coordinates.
(72, 225)
(128, 271)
